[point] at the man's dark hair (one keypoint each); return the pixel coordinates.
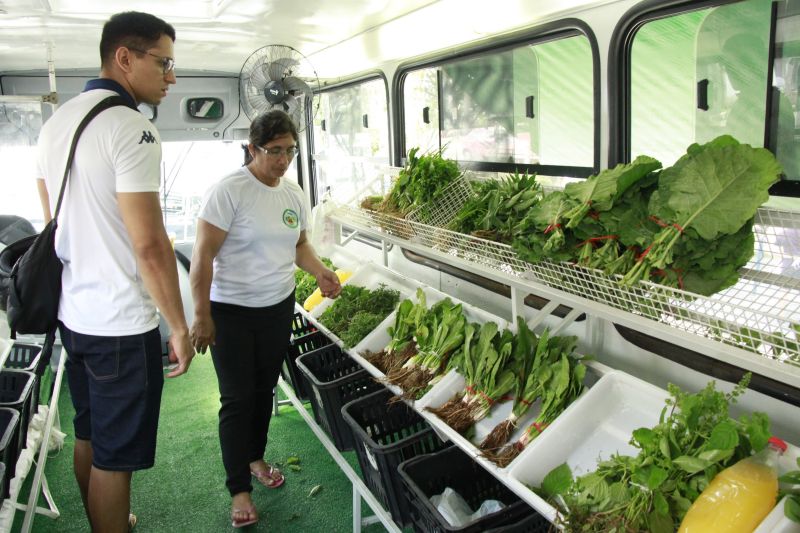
(132, 29)
(269, 125)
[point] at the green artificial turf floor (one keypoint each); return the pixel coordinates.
(185, 491)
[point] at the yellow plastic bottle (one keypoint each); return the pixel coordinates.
(315, 298)
(739, 497)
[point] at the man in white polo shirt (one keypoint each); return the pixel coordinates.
(118, 264)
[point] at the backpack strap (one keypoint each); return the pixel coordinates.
(101, 106)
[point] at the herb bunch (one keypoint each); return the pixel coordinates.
(357, 311)
(694, 440)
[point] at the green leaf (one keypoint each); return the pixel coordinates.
(791, 478)
(656, 477)
(792, 508)
(691, 465)
(660, 523)
(293, 460)
(644, 436)
(724, 436)
(660, 503)
(715, 456)
(557, 481)
(663, 445)
(717, 187)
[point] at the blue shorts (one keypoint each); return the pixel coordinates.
(115, 384)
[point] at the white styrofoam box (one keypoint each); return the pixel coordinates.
(777, 522)
(598, 424)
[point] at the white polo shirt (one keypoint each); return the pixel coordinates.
(119, 151)
(255, 265)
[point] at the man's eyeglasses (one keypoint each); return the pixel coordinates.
(277, 152)
(167, 63)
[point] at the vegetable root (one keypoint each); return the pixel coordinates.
(498, 436)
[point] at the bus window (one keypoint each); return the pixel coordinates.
(421, 109)
(532, 104)
(20, 124)
(727, 47)
(350, 138)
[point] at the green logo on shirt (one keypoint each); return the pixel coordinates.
(290, 218)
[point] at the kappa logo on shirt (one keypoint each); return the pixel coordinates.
(290, 218)
(147, 137)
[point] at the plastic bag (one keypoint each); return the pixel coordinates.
(322, 228)
(457, 511)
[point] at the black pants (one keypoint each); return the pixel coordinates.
(249, 350)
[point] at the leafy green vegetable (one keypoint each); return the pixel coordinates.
(694, 440)
(421, 181)
(791, 489)
(357, 311)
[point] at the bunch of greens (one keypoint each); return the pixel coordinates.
(497, 207)
(792, 492)
(487, 366)
(438, 333)
(551, 373)
(357, 311)
(687, 226)
(401, 346)
(705, 205)
(421, 181)
(694, 440)
(305, 283)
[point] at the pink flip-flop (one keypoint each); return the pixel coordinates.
(268, 477)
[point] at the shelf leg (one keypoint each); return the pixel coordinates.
(356, 510)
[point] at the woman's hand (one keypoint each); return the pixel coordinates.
(202, 332)
(328, 283)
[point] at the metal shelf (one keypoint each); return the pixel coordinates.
(754, 324)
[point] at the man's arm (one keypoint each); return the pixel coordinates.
(306, 259)
(206, 247)
(155, 257)
(44, 199)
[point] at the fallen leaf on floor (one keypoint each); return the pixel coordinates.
(295, 468)
(293, 460)
(314, 490)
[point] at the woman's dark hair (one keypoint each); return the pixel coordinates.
(267, 126)
(134, 30)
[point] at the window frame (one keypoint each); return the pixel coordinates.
(538, 34)
(349, 82)
(619, 75)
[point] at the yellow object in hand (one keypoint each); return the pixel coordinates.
(315, 298)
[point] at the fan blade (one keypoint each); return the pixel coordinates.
(282, 66)
(292, 106)
(296, 84)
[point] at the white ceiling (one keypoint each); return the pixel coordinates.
(211, 34)
(340, 37)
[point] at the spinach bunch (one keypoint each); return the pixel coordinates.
(694, 440)
(420, 182)
(357, 311)
(497, 207)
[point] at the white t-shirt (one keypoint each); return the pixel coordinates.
(255, 265)
(119, 151)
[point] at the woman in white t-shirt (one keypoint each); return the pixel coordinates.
(251, 233)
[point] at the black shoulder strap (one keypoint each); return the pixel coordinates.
(104, 104)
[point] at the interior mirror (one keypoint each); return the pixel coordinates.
(148, 110)
(205, 108)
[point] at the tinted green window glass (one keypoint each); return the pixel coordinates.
(351, 138)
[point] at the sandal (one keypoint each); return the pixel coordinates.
(272, 478)
(247, 521)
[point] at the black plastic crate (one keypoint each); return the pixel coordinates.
(385, 436)
(428, 475)
(301, 326)
(533, 523)
(9, 450)
(299, 346)
(16, 387)
(24, 356)
(335, 379)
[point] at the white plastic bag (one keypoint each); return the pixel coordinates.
(322, 227)
(457, 511)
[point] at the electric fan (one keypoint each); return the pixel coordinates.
(277, 76)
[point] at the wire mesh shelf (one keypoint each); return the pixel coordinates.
(760, 314)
